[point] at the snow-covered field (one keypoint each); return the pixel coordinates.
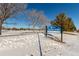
(26, 43)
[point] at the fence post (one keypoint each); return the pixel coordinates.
(46, 31)
(61, 32)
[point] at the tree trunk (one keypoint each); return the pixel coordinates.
(0, 31)
(0, 27)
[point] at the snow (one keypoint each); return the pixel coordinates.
(25, 43)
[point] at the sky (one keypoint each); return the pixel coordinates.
(51, 10)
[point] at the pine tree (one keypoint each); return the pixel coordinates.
(66, 22)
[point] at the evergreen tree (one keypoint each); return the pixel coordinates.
(64, 21)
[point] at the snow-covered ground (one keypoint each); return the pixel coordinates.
(26, 43)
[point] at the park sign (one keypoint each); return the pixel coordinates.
(53, 28)
(50, 30)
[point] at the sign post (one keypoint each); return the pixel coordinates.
(61, 31)
(46, 31)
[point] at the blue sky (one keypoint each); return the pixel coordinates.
(51, 10)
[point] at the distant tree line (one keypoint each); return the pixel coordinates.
(14, 28)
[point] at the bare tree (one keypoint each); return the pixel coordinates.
(38, 18)
(8, 10)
